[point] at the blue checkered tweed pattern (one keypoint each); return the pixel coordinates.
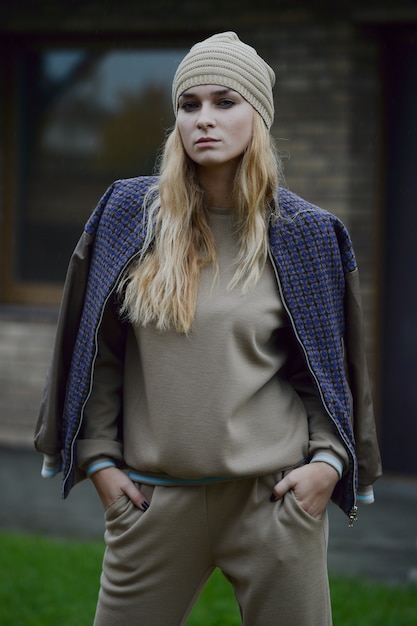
(312, 251)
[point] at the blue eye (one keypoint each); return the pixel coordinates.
(189, 106)
(226, 103)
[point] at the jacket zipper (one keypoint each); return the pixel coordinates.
(353, 513)
(72, 455)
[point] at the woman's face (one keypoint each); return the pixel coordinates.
(215, 124)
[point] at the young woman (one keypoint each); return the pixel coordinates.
(209, 372)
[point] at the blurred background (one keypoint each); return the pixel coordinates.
(85, 99)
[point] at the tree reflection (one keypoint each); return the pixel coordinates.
(131, 136)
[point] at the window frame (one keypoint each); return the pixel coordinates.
(14, 290)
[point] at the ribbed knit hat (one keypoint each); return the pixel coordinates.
(225, 60)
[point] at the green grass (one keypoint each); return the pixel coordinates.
(46, 582)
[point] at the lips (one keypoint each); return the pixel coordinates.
(206, 140)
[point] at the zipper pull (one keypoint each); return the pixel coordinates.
(353, 516)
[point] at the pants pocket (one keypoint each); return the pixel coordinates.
(296, 505)
(123, 514)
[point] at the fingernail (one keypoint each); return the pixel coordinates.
(144, 506)
(273, 498)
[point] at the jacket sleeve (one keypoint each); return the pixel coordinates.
(48, 427)
(366, 443)
(324, 442)
(100, 437)
(48, 437)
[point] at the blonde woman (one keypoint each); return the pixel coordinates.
(209, 373)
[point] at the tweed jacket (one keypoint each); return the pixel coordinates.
(317, 278)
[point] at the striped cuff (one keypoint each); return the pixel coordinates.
(330, 460)
(365, 494)
(52, 465)
(97, 466)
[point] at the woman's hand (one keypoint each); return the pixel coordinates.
(313, 485)
(111, 483)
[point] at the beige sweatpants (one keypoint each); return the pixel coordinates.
(157, 562)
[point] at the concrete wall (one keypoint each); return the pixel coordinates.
(25, 348)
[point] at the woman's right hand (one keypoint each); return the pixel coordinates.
(111, 483)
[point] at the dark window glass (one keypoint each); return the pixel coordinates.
(86, 117)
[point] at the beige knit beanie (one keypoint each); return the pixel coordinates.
(225, 60)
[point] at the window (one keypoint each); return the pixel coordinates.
(77, 119)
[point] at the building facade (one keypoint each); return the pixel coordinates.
(85, 99)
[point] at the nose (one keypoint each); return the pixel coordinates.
(205, 118)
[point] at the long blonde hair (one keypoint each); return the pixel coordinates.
(161, 286)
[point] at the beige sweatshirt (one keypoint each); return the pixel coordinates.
(232, 399)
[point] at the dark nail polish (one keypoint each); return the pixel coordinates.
(273, 498)
(144, 506)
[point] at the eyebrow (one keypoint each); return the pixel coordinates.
(217, 92)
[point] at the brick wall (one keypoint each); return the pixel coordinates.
(327, 100)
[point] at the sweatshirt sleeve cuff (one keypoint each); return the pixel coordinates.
(365, 494)
(330, 459)
(99, 465)
(51, 466)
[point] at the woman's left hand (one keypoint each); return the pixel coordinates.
(313, 485)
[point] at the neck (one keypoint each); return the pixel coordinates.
(218, 186)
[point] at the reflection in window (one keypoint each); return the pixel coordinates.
(87, 117)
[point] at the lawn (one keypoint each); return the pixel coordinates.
(48, 582)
